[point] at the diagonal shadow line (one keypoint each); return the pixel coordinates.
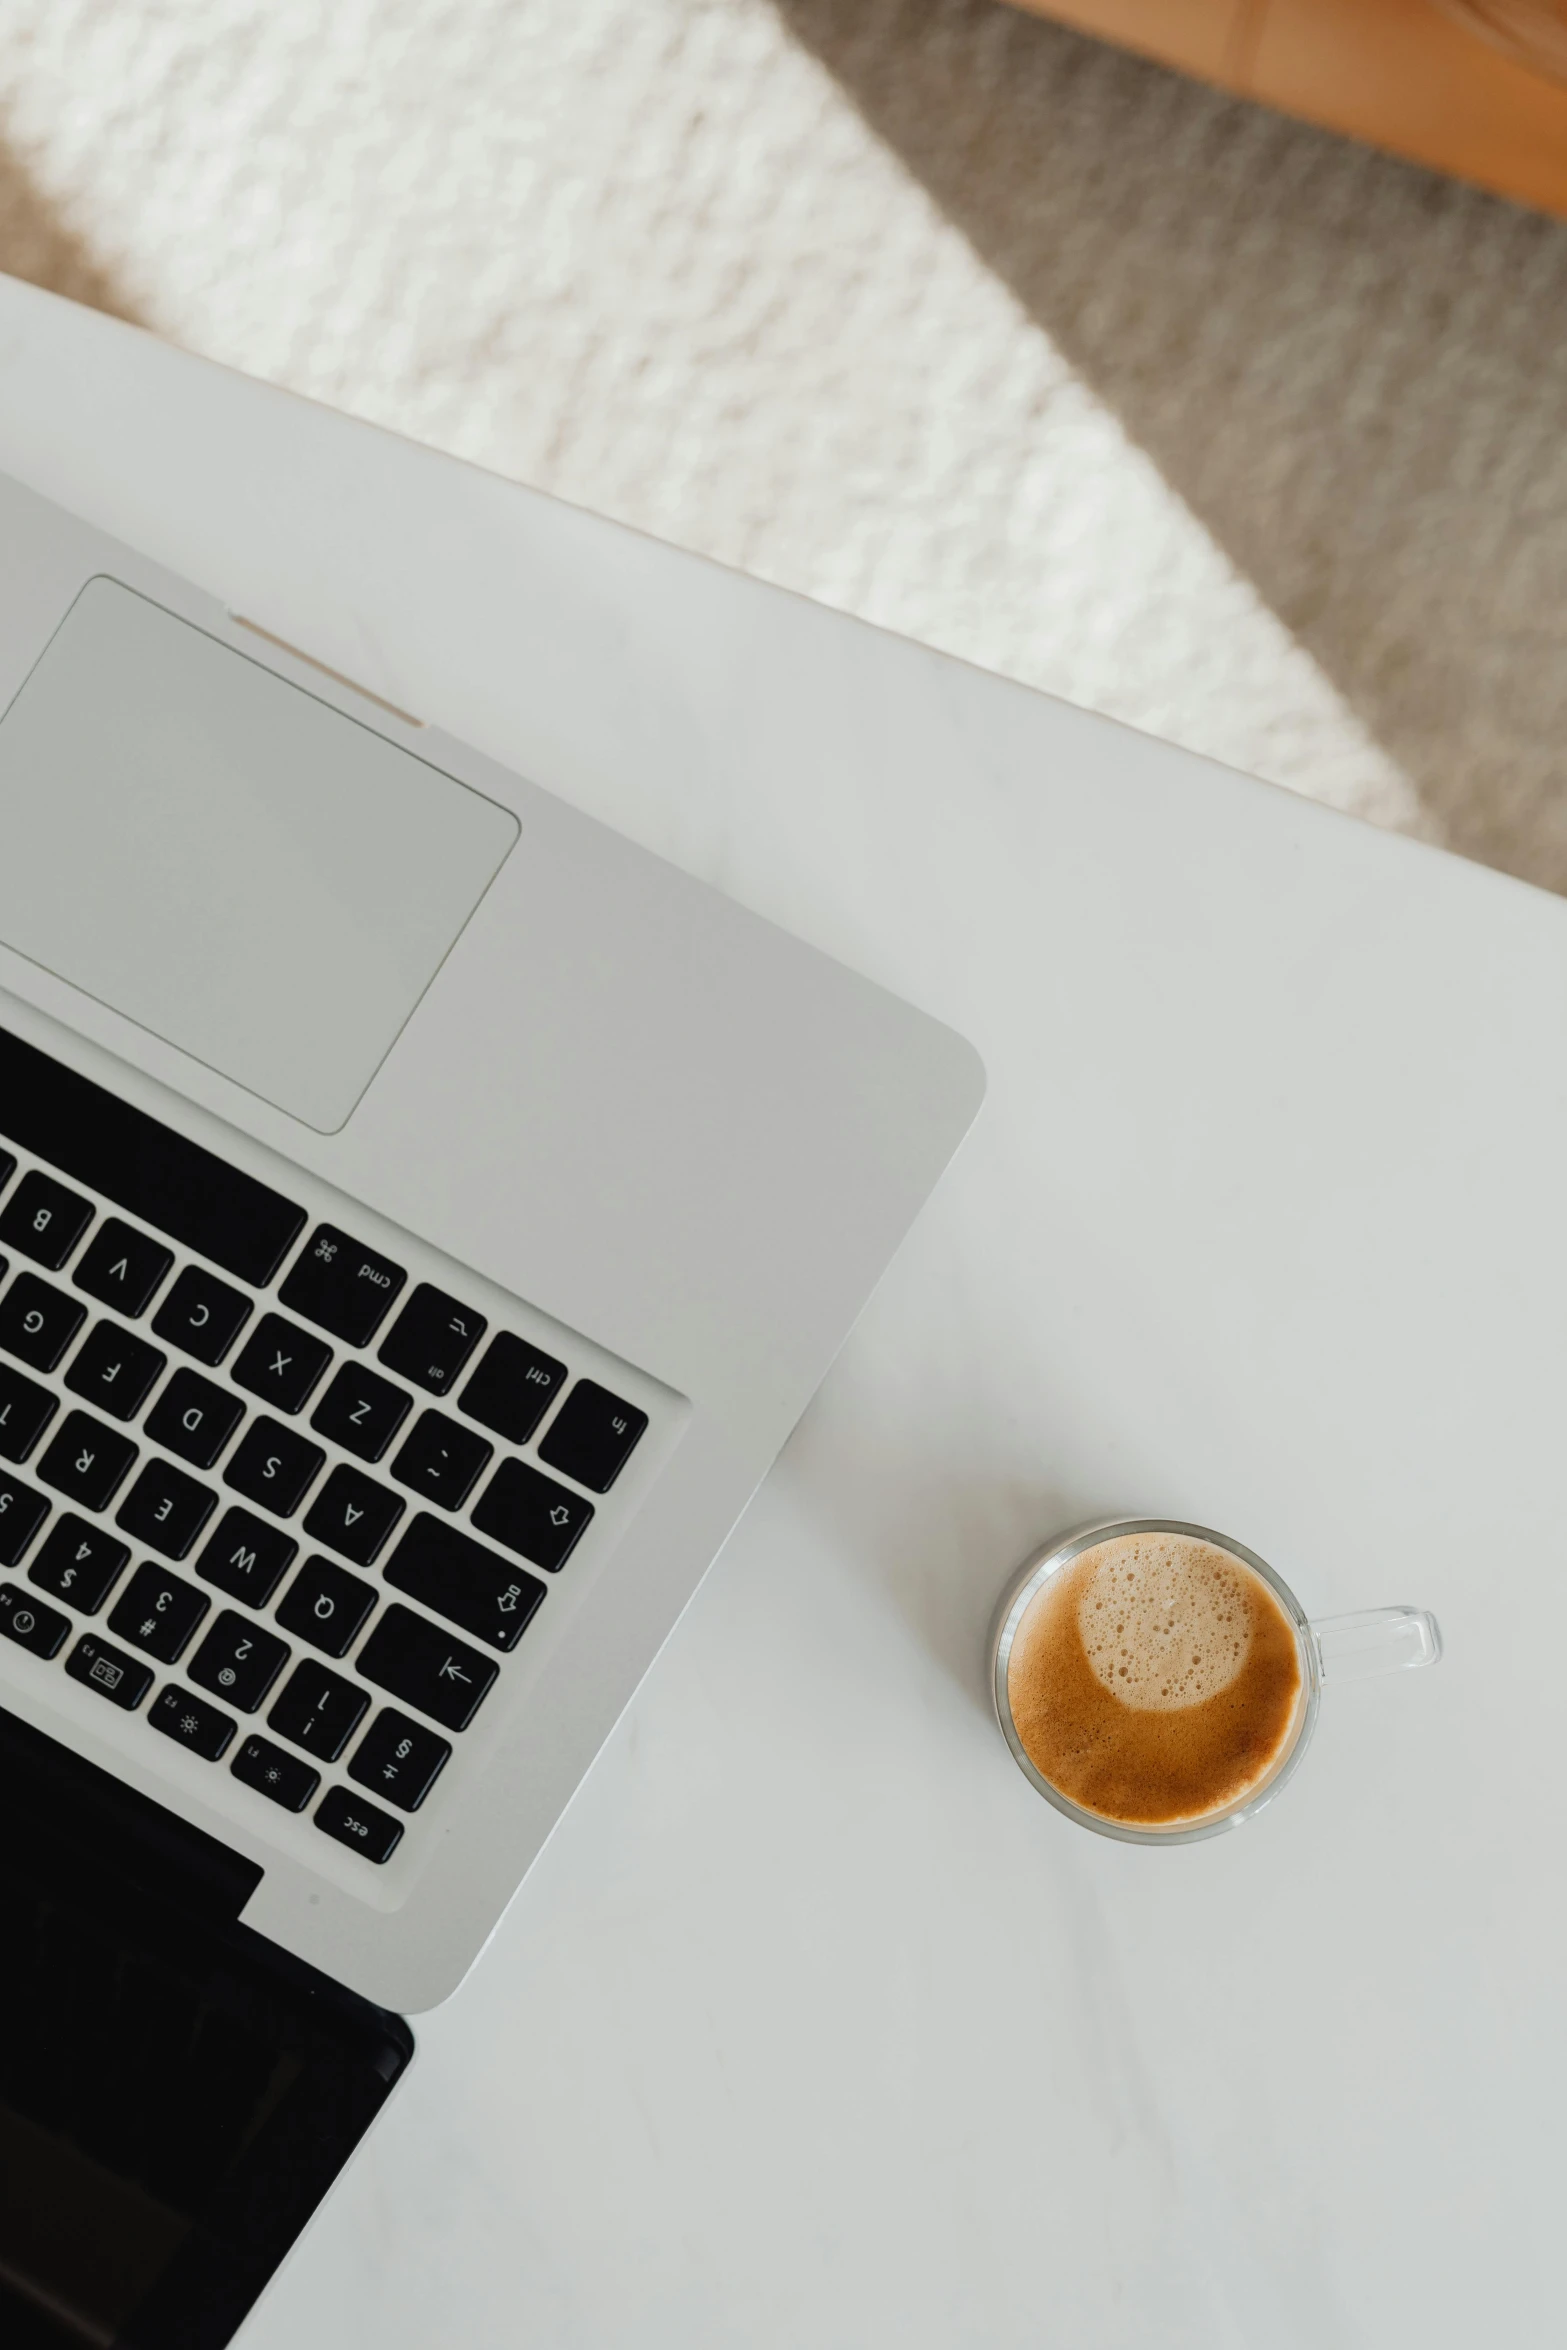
(36, 244)
(1353, 372)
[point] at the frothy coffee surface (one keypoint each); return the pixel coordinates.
(1156, 1680)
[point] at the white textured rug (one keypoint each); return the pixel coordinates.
(930, 310)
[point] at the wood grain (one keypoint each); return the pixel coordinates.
(1202, 36)
(1401, 74)
(1405, 75)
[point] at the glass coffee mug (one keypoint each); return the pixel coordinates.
(1159, 1682)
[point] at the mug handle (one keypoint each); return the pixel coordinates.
(1379, 1640)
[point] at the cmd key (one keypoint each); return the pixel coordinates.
(342, 1287)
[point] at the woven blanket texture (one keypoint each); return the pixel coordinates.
(940, 314)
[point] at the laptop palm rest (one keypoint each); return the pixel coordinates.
(226, 859)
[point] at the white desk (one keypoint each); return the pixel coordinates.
(814, 2026)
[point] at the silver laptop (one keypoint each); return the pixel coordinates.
(423, 1216)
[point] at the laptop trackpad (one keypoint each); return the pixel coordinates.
(227, 860)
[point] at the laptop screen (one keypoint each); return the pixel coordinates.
(176, 2095)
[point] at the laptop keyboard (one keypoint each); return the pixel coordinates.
(262, 1486)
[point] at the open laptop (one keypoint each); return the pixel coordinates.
(423, 1216)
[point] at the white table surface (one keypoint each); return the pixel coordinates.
(813, 2025)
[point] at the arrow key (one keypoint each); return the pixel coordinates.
(538, 1519)
(353, 1515)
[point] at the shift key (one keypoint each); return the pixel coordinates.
(426, 1668)
(458, 1578)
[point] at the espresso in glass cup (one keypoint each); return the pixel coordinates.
(1159, 1682)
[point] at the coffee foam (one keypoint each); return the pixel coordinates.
(1155, 1680)
(1165, 1622)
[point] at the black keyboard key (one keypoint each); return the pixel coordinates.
(159, 1613)
(86, 1461)
(283, 1778)
(418, 1662)
(327, 1606)
(191, 1722)
(538, 1519)
(281, 1363)
(38, 1321)
(592, 1436)
(194, 1419)
(25, 1412)
(115, 1370)
(399, 1759)
(109, 1672)
(361, 1411)
(458, 1578)
(373, 1834)
(41, 1630)
(79, 1563)
(353, 1515)
(238, 1662)
(7, 1168)
(159, 1177)
(42, 1218)
(318, 1710)
(245, 1558)
(22, 1512)
(432, 1338)
(166, 1509)
(342, 1286)
(123, 1268)
(274, 1466)
(442, 1461)
(202, 1316)
(513, 1387)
